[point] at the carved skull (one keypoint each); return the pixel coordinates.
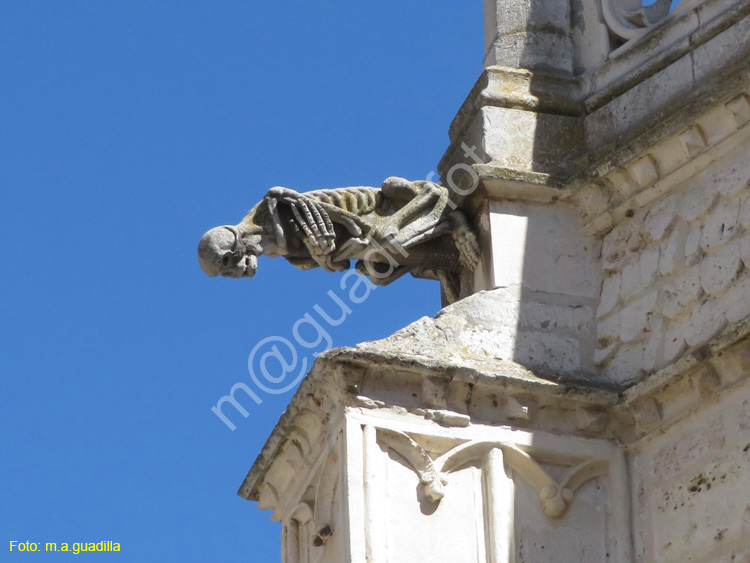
(221, 252)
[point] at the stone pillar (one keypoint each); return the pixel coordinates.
(520, 135)
(528, 34)
(524, 113)
(363, 468)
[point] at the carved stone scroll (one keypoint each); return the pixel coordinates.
(628, 18)
(554, 497)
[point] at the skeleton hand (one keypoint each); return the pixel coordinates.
(311, 218)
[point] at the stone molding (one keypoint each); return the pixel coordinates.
(690, 37)
(630, 19)
(554, 497)
(359, 452)
(634, 178)
(480, 395)
(638, 174)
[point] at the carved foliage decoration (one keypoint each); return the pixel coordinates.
(554, 497)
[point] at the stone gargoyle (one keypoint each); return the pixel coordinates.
(401, 227)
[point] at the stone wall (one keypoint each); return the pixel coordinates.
(676, 272)
(543, 277)
(690, 484)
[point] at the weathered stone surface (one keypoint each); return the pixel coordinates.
(719, 269)
(682, 292)
(613, 332)
(720, 225)
(697, 202)
(378, 227)
(672, 250)
(659, 218)
(610, 294)
(635, 318)
(692, 476)
(510, 140)
(640, 273)
(705, 321)
(500, 325)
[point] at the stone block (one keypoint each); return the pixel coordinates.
(652, 354)
(735, 303)
(635, 109)
(698, 200)
(648, 414)
(592, 201)
(693, 140)
(635, 318)
(603, 355)
(530, 141)
(744, 203)
(645, 171)
(674, 340)
(706, 381)
(620, 185)
(610, 294)
(721, 224)
(608, 330)
(542, 248)
(717, 125)
(680, 296)
(733, 173)
(705, 322)
(571, 320)
(639, 275)
(533, 50)
(625, 367)
(738, 555)
(693, 251)
(744, 243)
(508, 233)
(660, 218)
(680, 451)
(719, 268)
(625, 239)
(672, 249)
(720, 51)
(548, 351)
(740, 108)
(506, 18)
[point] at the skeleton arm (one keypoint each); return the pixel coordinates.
(309, 215)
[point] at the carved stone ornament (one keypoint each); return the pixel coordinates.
(628, 18)
(402, 227)
(555, 498)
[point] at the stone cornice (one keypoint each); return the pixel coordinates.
(672, 393)
(624, 72)
(635, 175)
(486, 393)
(662, 158)
(645, 56)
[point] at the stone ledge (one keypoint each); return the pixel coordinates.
(663, 158)
(495, 394)
(671, 393)
(647, 55)
(583, 97)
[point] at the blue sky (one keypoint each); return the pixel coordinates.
(127, 129)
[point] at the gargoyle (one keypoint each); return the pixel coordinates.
(401, 227)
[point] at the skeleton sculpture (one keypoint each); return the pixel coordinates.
(402, 227)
